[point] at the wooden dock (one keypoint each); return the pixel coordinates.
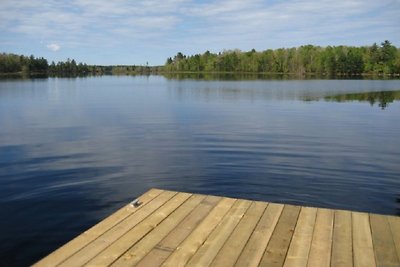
(181, 229)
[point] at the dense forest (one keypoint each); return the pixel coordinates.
(383, 59)
(70, 67)
(11, 63)
(331, 60)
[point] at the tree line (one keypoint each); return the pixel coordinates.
(331, 60)
(12, 63)
(71, 68)
(383, 59)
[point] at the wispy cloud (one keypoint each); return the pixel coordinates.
(193, 26)
(53, 47)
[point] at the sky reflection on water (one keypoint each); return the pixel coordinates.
(74, 150)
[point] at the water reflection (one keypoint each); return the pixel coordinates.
(398, 205)
(215, 76)
(383, 98)
(210, 76)
(312, 90)
(74, 150)
(232, 76)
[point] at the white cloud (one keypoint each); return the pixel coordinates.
(53, 47)
(193, 26)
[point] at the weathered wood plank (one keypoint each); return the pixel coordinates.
(394, 223)
(278, 246)
(116, 249)
(207, 252)
(256, 245)
(165, 248)
(384, 248)
(321, 245)
(178, 229)
(190, 245)
(232, 248)
(91, 234)
(95, 247)
(362, 240)
(301, 242)
(342, 250)
(144, 246)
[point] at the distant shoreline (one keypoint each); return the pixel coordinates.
(332, 61)
(202, 73)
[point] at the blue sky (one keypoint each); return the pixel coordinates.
(135, 32)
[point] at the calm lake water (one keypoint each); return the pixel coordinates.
(73, 151)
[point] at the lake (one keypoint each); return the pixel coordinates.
(74, 150)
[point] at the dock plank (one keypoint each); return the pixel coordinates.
(232, 248)
(278, 246)
(321, 245)
(102, 242)
(190, 245)
(255, 247)
(210, 248)
(119, 247)
(342, 250)
(301, 242)
(144, 246)
(362, 240)
(183, 229)
(168, 244)
(384, 248)
(394, 223)
(90, 235)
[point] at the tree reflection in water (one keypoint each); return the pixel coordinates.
(383, 98)
(398, 206)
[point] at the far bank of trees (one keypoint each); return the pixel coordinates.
(71, 68)
(383, 59)
(331, 60)
(12, 63)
